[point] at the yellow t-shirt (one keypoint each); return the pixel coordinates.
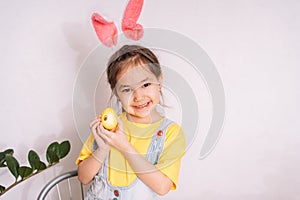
(140, 136)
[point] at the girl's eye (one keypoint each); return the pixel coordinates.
(146, 84)
(126, 90)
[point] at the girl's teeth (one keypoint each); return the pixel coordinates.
(141, 106)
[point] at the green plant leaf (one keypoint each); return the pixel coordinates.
(25, 171)
(64, 149)
(33, 158)
(12, 165)
(3, 154)
(54, 146)
(7, 151)
(51, 157)
(39, 165)
(2, 188)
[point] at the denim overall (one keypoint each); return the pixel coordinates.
(101, 189)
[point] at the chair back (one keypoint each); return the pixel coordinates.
(63, 183)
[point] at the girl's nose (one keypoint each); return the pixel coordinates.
(138, 94)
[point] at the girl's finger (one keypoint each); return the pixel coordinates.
(98, 132)
(105, 131)
(92, 123)
(103, 134)
(94, 126)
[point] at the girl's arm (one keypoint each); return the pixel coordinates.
(147, 172)
(88, 168)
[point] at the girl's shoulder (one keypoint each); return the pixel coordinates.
(173, 128)
(175, 137)
(171, 123)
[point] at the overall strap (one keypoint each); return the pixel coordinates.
(158, 140)
(94, 146)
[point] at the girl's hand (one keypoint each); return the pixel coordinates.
(116, 139)
(95, 128)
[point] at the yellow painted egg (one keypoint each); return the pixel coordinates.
(109, 118)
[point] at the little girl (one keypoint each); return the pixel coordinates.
(141, 159)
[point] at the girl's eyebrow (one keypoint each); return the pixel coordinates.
(146, 79)
(124, 86)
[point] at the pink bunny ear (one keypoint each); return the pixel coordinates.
(106, 31)
(131, 29)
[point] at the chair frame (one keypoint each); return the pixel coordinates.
(67, 175)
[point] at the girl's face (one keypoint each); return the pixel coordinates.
(138, 89)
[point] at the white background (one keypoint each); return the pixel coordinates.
(254, 44)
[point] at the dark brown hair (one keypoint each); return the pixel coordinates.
(131, 55)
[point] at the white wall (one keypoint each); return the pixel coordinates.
(254, 44)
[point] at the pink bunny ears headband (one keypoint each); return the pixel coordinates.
(107, 31)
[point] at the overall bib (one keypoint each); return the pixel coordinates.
(101, 189)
